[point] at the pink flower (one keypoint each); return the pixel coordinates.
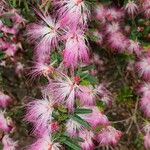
(86, 95)
(11, 50)
(143, 67)
(100, 13)
(3, 123)
(134, 47)
(108, 136)
(112, 28)
(113, 14)
(45, 34)
(19, 68)
(5, 100)
(39, 112)
(87, 136)
(72, 12)
(105, 95)
(131, 8)
(73, 127)
(146, 8)
(8, 143)
(145, 105)
(44, 143)
(144, 89)
(147, 141)
(62, 91)
(40, 69)
(6, 29)
(76, 50)
(95, 118)
(115, 39)
(98, 37)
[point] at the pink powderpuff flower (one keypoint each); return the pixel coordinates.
(100, 13)
(115, 39)
(63, 90)
(147, 141)
(87, 136)
(113, 14)
(104, 94)
(5, 100)
(73, 127)
(39, 112)
(45, 34)
(95, 118)
(145, 105)
(131, 8)
(72, 12)
(134, 47)
(9, 144)
(41, 68)
(143, 67)
(86, 96)
(4, 44)
(112, 28)
(76, 50)
(108, 136)
(146, 8)
(16, 17)
(98, 37)
(3, 123)
(19, 68)
(11, 50)
(44, 143)
(6, 29)
(144, 89)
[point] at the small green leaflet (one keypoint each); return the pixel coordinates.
(83, 111)
(81, 121)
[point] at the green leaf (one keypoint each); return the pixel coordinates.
(83, 111)
(1, 35)
(71, 144)
(2, 55)
(7, 21)
(81, 121)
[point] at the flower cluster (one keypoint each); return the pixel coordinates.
(10, 23)
(67, 93)
(7, 126)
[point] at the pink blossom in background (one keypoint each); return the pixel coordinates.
(146, 8)
(76, 50)
(112, 27)
(134, 47)
(115, 39)
(131, 8)
(144, 89)
(5, 100)
(100, 13)
(145, 105)
(147, 141)
(109, 136)
(113, 14)
(87, 136)
(143, 67)
(3, 123)
(9, 144)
